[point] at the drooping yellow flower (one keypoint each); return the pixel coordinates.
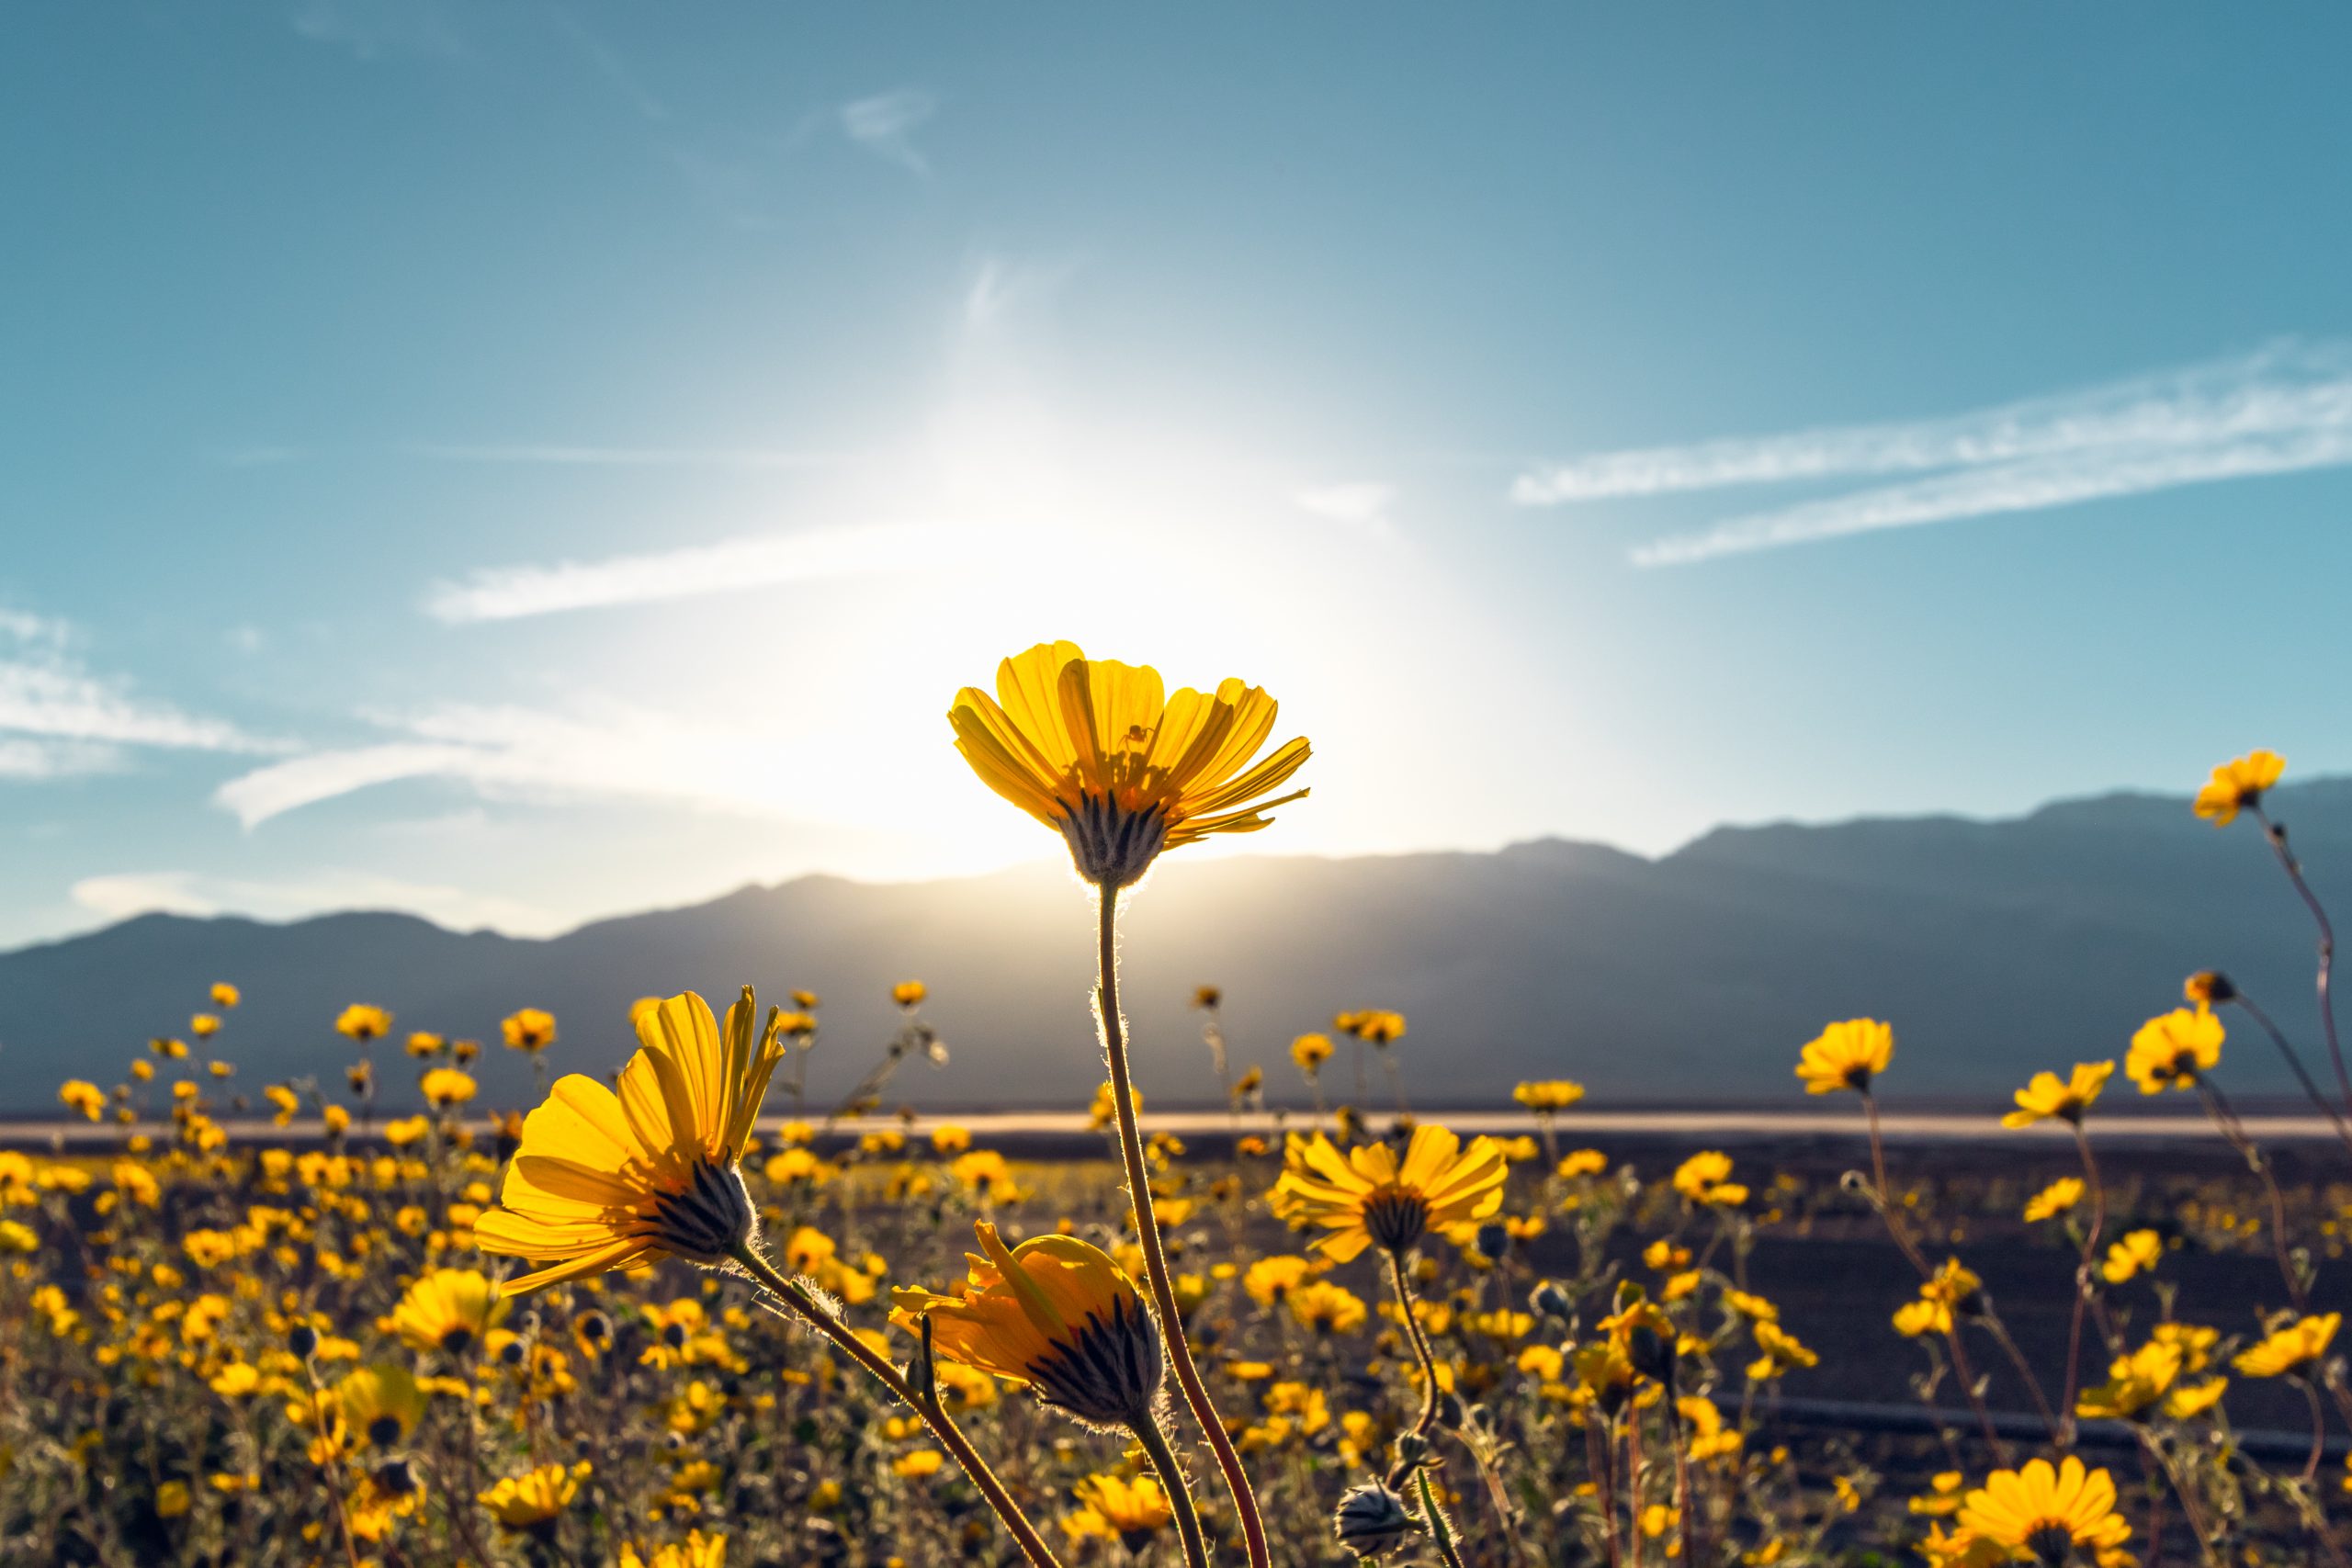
(611, 1181)
(2052, 1097)
(531, 1029)
(1549, 1096)
(2291, 1348)
(1845, 1055)
(2172, 1049)
(2055, 1199)
(1113, 1508)
(1055, 1312)
(449, 1309)
(2235, 785)
(2137, 1253)
(362, 1022)
(531, 1499)
(2042, 1514)
(1367, 1197)
(1094, 750)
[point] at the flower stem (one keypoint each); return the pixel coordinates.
(1024, 1534)
(1402, 1284)
(2277, 835)
(1113, 1028)
(2295, 1061)
(1154, 1443)
(1440, 1532)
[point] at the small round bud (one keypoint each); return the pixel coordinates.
(1494, 1241)
(1547, 1300)
(1411, 1449)
(1449, 1411)
(303, 1340)
(1370, 1520)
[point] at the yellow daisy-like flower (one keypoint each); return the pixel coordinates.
(532, 1028)
(2134, 1382)
(2043, 1514)
(2051, 1098)
(2055, 1199)
(381, 1403)
(82, 1097)
(2290, 1348)
(2171, 1050)
(1845, 1055)
(1367, 1197)
(612, 1181)
(1310, 1052)
(531, 1499)
(2137, 1253)
(1548, 1097)
(698, 1551)
(446, 1088)
(362, 1022)
(1113, 1508)
(2238, 784)
(449, 1309)
(225, 994)
(1055, 1312)
(1094, 749)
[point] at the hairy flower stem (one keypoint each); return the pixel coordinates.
(1113, 1028)
(1401, 1282)
(1600, 1458)
(2083, 1276)
(1154, 1443)
(2277, 835)
(801, 1304)
(1434, 1516)
(2227, 1120)
(2295, 1061)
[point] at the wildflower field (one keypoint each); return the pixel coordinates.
(642, 1322)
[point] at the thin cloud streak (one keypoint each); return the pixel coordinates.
(505, 594)
(885, 124)
(2278, 391)
(57, 716)
(2006, 488)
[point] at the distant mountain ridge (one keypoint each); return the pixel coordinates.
(1998, 948)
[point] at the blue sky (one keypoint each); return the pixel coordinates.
(524, 462)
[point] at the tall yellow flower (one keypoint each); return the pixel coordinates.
(1055, 1313)
(2235, 785)
(1367, 1197)
(2052, 1097)
(1094, 750)
(610, 1181)
(447, 1309)
(2171, 1050)
(1310, 1052)
(532, 1028)
(2290, 1348)
(1845, 1055)
(2040, 1513)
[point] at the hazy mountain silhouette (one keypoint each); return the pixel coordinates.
(1996, 948)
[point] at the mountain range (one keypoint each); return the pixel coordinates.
(1996, 948)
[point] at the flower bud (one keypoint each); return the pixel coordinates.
(1547, 1300)
(303, 1340)
(1372, 1519)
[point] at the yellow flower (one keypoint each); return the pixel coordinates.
(1705, 1178)
(532, 1028)
(2052, 1097)
(1549, 1096)
(2192, 1400)
(1112, 1509)
(2236, 786)
(2290, 1348)
(1778, 1351)
(82, 1096)
(910, 993)
(362, 1022)
(1845, 1055)
(1367, 1196)
(1373, 1026)
(1094, 750)
(382, 1404)
(204, 1025)
(2171, 1050)
(612, 1181)
(1310, 1052)
(2135, 1253)
(171, 1499)
(2041, 1513)
(423, 1042)
(698, 1551)
(2134, 1382)
(1055, 1312)
(1582, 1162)
(1326, 1308)
(2055, 1199)
(1943, 1499)
(1271, 1278)
(224, 995)
(447, 1086)
(533, 1498)
(916, 1465)
(449, 1309)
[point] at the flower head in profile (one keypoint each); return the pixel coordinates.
(2055, 1199)
(362, 1022)
(2172, 1050)
(532, 1500)
(1310, 1052)
(2043, 1514)
(1549, 1096)
(1845, 1055)
(1113, 1508)
(2133, 1382)
(225, 994)
(611, 1181)
(698, 1551)
(1055, 1312)
(2238, 785)
(2291, 1348)
(449, 1309)
(446, 1087)
(2051, 1098)
(2138, 1252)
(1097, 751)
(1367, 1197)
(532, 1029)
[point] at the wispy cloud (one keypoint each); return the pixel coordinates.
(59, 717)
(2285, 408)
(602, 751)
(502, 593)
(1362, 503)
(121, 896)
(885, 124)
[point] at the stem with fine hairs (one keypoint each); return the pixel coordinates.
(2277, 835)
(1113, 1027)
(1154, 1444)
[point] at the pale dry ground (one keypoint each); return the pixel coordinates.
(989, 1127)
